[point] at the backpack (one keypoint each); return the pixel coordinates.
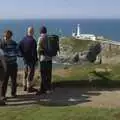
(51, 45)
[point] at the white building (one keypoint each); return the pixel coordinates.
(78, 35)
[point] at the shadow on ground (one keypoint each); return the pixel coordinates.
(67, 93)
(60, 97)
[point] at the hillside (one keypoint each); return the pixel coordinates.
(70, 46)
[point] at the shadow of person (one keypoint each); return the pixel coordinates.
(60, 97)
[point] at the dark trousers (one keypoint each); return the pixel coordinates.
(29, 74)
(46, 75)
(11, 72)
(2, 75)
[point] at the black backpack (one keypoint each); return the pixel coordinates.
(51, 45)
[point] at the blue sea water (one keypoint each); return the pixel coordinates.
(109, 28)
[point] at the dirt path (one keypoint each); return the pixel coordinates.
(67, 97)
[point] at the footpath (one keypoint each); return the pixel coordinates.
(90, 97)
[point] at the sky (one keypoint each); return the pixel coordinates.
(23, 9)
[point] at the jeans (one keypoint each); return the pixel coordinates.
(29, 71)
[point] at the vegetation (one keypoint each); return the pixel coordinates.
(75, 44)
(103, 75)
(38, 112)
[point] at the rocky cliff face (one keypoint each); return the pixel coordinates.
(75, 51)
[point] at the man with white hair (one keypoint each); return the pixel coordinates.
(28, 49)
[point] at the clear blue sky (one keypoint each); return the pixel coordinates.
(12, 9)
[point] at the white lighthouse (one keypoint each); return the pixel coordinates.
(80, 36)
(78, 30)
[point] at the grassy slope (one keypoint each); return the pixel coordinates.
(77, 45)
(59, 113)
(86, 75)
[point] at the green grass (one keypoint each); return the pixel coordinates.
(37, 112)
(87, 76)
(80, 72)
(76, 45)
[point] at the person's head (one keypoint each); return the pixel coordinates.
(30, 31)
(43, 30)
(8, 34)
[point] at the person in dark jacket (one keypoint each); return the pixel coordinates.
(28, 49)
(10, 50)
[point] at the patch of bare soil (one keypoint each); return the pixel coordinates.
(63, 72)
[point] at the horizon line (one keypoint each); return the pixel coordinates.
(55, 18)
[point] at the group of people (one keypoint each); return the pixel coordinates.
(31, 51)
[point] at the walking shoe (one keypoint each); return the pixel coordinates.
(31, 89)
(25, 88)
(2, 103)
(3, 98)
(14, 96)
(49, 92)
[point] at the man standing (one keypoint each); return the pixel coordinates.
(28, 49)
(45, 63)
(9, 48)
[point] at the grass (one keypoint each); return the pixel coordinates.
(75, 44)
(37, 112)
(103, 75)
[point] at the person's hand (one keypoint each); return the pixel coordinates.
(37, 63)
(5, 69)
(58, 53)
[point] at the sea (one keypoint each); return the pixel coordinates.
(109, 28)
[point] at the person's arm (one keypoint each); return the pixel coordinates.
(35, 52)
(2, 58)
(40, 46)
(20, 49)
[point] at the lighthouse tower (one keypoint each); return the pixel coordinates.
(78, 30)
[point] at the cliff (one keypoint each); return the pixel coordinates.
(73, 49)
